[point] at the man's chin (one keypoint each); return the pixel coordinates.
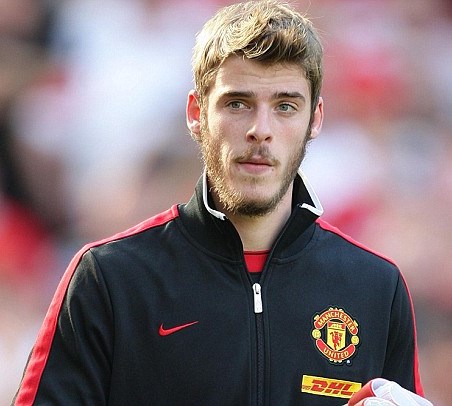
(255, 208)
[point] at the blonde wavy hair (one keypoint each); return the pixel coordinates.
(268, 31)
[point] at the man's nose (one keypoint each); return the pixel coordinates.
(261, 125)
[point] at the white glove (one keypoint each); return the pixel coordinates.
(374, 402)
(380, 392)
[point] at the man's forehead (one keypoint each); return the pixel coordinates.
(238, 74)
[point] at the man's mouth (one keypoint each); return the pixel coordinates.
(255, 165)
(256, 161)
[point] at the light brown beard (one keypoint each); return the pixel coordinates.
(231, 199)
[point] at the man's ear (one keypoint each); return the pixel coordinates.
(193, 114)
(317, 120)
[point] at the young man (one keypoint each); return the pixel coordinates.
(242, 296)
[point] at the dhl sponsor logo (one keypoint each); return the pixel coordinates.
(329, 387)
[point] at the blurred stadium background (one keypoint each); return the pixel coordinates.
(93, 140)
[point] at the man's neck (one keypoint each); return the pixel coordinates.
(259, 233)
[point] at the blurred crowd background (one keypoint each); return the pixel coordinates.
(93, 140)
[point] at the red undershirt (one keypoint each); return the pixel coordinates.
(255, 260)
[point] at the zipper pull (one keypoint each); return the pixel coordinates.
(257, 298)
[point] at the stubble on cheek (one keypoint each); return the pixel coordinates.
(217, 164)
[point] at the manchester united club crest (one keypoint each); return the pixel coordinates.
(336, 335)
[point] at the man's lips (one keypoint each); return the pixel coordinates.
(256, 165)
(256, 161)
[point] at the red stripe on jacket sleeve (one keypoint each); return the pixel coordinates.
(41, 350)
(417, 377)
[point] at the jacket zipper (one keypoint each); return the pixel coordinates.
(260, 343)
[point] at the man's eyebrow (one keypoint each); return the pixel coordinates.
(289, 95)
(238, 94)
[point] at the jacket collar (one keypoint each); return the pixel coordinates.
(212, 229)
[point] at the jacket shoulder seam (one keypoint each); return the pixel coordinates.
(324, 225)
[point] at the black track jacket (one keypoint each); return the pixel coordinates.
(167, 314)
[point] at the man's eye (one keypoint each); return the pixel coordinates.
(285, 107)
(236, 105)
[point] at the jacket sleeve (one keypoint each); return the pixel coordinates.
(71, 360)
(401, 363)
